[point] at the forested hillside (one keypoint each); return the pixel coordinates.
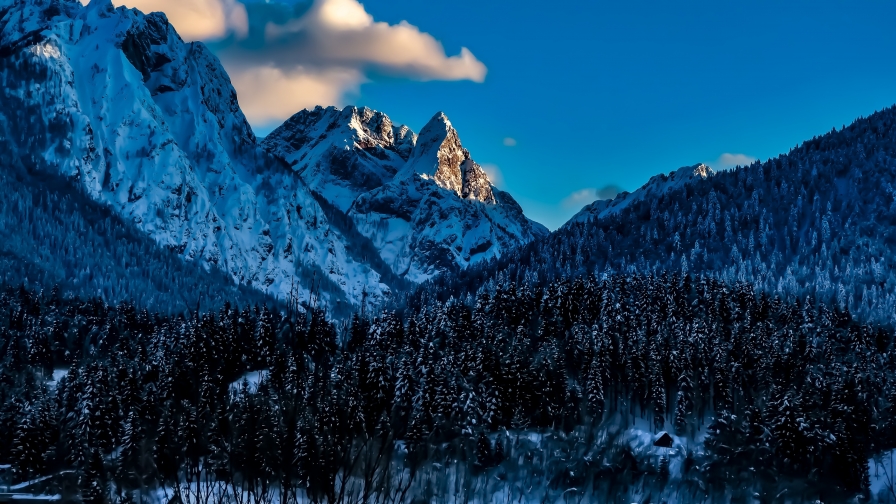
(819, 221)
(53, 235)
(514, 394)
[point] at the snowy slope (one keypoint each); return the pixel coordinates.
(342, 153)
(150, 126)
(426, 206)
(658, 184)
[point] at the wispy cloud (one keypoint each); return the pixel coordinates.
(494, 174)
(727, 161)
(585, 196)
(509, 142)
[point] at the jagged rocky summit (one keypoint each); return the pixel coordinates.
(150, 126)
(426, 206)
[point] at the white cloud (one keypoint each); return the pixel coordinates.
(727, 161)
(326, 53)
(494, 174)
(509, 142)
(344, 14)
(270, 93)
(281, 61)
(341, 33)
(198, 19)
(585, 196)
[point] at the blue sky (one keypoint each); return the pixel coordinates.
(597, 93)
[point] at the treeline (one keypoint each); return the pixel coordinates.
(434, 404)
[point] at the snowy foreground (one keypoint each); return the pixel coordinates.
(528, 474)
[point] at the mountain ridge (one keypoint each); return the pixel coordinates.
(816, 223)
(429, 209)
(655, 185)
(151, 126)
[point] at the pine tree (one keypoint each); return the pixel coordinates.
(789, 432)
(726, 446)
(595, 389)
(684, 404)
(94, 483)
(484, 454)
(664, 467)
(34, 441)
(264, 336)
(499, 454)
(658, 397)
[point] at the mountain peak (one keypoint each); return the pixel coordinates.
(438, 120)
(150, 126)
(348, 151)
(698, 170)
(371, 128)
(362, 127)
(420, 200)
(440, 156)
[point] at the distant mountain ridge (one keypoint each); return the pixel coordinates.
(150, 126)
(657, 185)
(817, 223)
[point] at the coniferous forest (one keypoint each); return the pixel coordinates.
(511, 395)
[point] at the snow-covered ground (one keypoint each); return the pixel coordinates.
(251, 379)
(54, 378)
(883, 477)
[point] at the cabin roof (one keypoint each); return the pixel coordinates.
(664, 440)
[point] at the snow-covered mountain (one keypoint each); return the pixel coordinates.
(422, 201)
(342, 153)
(657, 185)
(150, 126)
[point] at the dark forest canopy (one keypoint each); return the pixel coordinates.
(408, 404)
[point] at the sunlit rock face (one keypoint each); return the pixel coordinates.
(426, 206)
